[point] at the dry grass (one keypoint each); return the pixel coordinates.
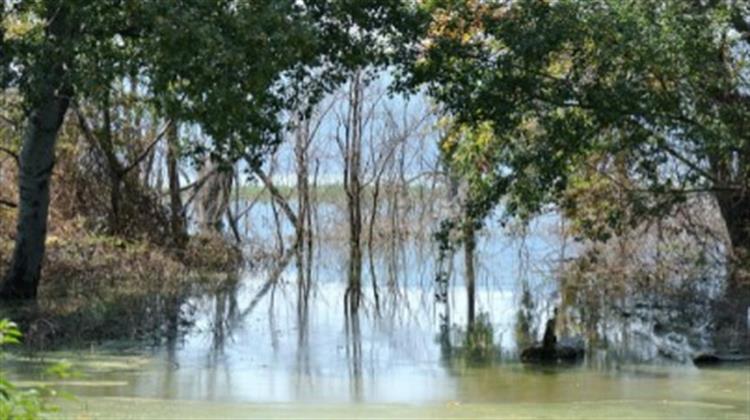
(99, 288)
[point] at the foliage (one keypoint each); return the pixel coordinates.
(228, 67)
(477, 342)
(525, 331)
(225, 69)
(24, 404)
(572, 88)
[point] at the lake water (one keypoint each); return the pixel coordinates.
(264, 348)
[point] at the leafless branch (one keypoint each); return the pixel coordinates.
(148, 149)
(275, 193)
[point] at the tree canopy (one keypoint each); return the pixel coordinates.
(229, 67)
(655, 91)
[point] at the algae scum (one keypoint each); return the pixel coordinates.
(264, 347)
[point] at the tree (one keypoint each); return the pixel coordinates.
(657, 91)
(350, 146)
(47, 104)
(178, 224)
(121, 135)
(227, 67)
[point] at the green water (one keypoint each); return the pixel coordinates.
(251, 351)
(155, 409)
(115, 387)
(499, 392)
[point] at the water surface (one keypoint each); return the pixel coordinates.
(264, 347)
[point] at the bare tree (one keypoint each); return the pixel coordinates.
(351, 146)
(306, 129)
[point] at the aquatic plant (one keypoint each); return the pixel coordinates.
(477, 345)
(24, 403)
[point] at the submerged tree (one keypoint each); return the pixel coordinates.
(350, 145)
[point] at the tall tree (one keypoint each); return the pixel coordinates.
(351, 149)
(47, 104)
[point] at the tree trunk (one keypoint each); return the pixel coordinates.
(353, 185)
(177, 219)
(735, 210)
(303, 195)
(732, 316)
(115, 200)
(469, 247)
(214, 197)
(371, 241)
(36, 162)
(49, 103)
(3, 58)
(116, 170)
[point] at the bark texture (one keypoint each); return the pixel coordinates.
(36, 162)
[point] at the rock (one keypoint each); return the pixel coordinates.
(705, 359)
(562, 353)
(551, 350)
(537, 354)
(570, 354)
(711, 359)
(673, 346)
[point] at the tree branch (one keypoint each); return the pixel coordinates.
(12, 154)
(275, 194)
(196, 186)
(147, 150)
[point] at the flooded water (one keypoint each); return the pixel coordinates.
(264, 347)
